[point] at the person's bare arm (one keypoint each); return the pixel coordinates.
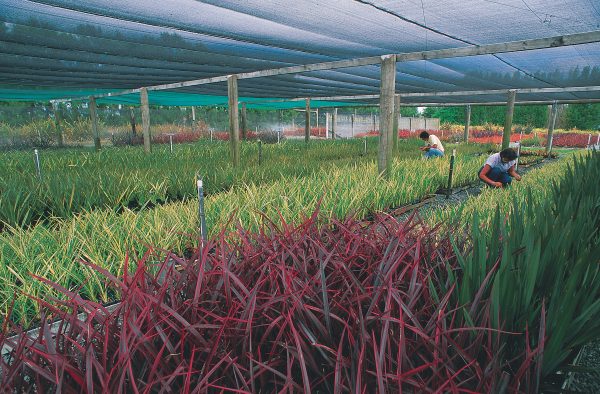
(483, 176)
(512, 172)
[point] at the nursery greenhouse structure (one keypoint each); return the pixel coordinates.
(299, 264)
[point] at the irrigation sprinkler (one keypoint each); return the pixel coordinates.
(38, 167)
(449, 190)
(259, 152)
(201, 216)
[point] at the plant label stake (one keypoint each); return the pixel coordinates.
(449, 190)
(278, 135)
(201, 216)
(259, 152)
(171, 141)
(365, 148)
(598, 141)
(589, 141)
(38, 167)
(211, 135)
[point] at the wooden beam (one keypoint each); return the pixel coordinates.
(490, 103)
(146, 120)
(572, 89)
(307, 122)
(234, 126)
(95, 128)
(551, 125)
(472, 50)
(510, 108)
(467, 123)
(244, 121)
(386, 114)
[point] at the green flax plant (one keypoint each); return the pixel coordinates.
(105, 237)
(535, 255)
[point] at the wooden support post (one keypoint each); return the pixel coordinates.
(244, 124)
(467, 123)
(510, 109)
(234, 125)
(132, 120)
(373, 119)
(551, 124)
(146, 119)
(307, 122)
(386, 114)
(334, 123)
(395, 127)
(57, 124)
(95, 128)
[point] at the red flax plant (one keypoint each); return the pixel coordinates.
(348, 307)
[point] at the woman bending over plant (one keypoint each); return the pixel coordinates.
(499, 168)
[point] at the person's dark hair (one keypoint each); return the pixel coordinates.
(508, 154)
(424, 135)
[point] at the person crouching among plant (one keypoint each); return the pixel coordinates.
(434, 146)
(499, 168)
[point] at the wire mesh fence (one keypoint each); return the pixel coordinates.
(41, 126)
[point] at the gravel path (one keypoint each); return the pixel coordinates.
(587, 381)
(461, 194)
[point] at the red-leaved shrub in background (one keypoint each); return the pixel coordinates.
(572, 140)
(497, 139)
(224, 135)
(341, 308)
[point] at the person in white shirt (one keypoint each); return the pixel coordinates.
(499, 169)
(434, 146)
